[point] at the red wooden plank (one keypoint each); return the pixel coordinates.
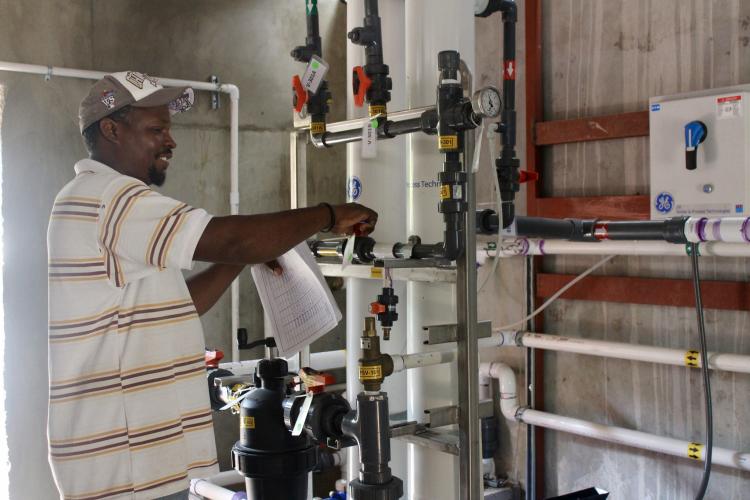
(594, 207)
(726, 295)
(595, 128)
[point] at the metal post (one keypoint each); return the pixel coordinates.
(298, 198)
(470, 471)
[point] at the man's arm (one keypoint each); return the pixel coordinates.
(208, 286)
(254, 239)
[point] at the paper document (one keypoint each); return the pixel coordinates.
(298, 303)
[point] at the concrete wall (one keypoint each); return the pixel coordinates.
(245, 43)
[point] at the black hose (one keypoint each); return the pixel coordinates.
(704, 369)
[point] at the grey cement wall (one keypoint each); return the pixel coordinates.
(245, 43)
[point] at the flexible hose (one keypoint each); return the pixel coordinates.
(704, 369)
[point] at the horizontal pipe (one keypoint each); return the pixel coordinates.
(395, 116)
(205, 489)
(737, 363)
(319, 360)
(660, 444)
(403, 362)
(511, 247)
(227, 478)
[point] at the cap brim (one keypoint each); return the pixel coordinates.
(178, 99)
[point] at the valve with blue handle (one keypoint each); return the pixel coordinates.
(695, 133)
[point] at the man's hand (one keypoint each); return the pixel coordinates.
(353, 217)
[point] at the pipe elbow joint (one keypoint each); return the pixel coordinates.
(231, 89)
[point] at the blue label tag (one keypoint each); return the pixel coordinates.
(739, 209)
(664, 202)
(656, 107)
(353, 188)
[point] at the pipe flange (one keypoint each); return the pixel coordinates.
(392, 490)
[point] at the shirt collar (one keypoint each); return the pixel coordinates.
(97, 167)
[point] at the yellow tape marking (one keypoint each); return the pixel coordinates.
(377, 109)
(370, 372)
(448, 142)
(695, 451)
(376, 272)
(692, 358)
(247, 422)
(445, 192)
(318, 127)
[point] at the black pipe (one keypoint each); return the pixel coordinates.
(507, 164)
(370, 36)
(671, 230)
(317, 104)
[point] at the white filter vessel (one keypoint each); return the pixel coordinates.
(433, 26)
(380, 184)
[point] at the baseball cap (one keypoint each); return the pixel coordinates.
(130, 88)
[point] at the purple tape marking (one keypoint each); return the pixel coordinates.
(716, 230)
(700, 229)
(541, 247)
(744, 230)
(525, 250)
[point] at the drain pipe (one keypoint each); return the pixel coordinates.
(234, 96)
(618, 435)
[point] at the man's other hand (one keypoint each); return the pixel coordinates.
(353, 216)
(274, 266)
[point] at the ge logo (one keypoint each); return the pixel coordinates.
(664, 203)
(353, 188)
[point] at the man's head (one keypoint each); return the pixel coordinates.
(125, 121)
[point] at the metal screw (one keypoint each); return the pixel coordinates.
(708, 188)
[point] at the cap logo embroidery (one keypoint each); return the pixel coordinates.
(108, 99)
(135, 78)
(182, 103)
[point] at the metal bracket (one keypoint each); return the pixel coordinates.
(441, 334)
(443, 440)
(215, 101)
(412, 263)
(448, 415)
(48, 74)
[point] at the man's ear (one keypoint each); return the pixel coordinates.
(108, 128)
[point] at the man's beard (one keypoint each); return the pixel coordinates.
(156, 177)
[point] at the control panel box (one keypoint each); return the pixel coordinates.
(700, 153)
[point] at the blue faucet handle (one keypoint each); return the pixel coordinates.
(695, 133)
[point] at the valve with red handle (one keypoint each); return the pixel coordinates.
(361, 83)
(299, 96)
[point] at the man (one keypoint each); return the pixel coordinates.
(129, 415)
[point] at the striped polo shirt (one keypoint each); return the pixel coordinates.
(129, 414)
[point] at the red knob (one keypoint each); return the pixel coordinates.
(377, 308)
(300, 94)
(360, 84)
(526, 176)
(212, 358)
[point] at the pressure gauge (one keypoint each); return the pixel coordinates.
(486, 102)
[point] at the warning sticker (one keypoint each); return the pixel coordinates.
(692, 358)
(318, 127)
(445, 192)
(247, 422)
(695, 451)
(448, 142)
(509, 70)
(370, 372)
(376, 109)
(729, 107)
(376, 272)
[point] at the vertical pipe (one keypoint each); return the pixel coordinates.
(379, 183)
(434, 26)
(470, 470)
(234, 205)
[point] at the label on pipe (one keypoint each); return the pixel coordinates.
(370, 372)
(695, 451)
(300, 423)
(314, 73)
(348, 252)
(370, 139)
(448, 142)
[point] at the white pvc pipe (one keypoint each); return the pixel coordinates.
(729, 229)
(675, 447)
(319, 360)
(234, 98)
(403, 362)
(738, 363)
(512, 247)
(205, 489)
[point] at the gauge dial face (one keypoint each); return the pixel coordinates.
(487, 102)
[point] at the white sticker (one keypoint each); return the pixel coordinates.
(348, 252)
(457, 192)
(314, 73)
(300, 423)
(729, 107)
(370, 139)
